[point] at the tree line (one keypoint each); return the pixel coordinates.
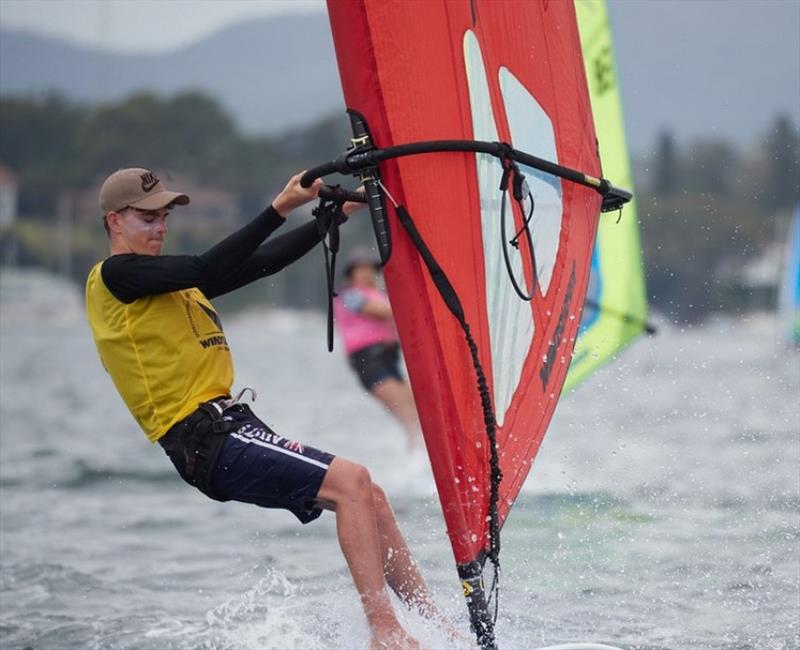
(702, 203)
(706, 207)
(53, 145)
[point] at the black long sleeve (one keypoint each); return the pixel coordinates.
(230, 264)
(269, 258)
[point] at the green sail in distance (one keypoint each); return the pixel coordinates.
(615, 311)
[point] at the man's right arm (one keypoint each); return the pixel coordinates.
(131, 276)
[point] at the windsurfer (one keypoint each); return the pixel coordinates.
(162, 342)
(364, 318)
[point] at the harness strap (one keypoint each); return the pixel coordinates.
(329, 216)
(215, 409)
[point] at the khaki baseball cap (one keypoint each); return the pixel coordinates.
(136, 188)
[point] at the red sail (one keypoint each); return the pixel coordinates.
(478, 70)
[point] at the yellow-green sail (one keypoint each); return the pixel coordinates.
(615, 311)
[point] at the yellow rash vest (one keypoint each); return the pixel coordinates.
(166, 353)
(158, 335)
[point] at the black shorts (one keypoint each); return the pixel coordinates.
(253, 464)
(375, 363)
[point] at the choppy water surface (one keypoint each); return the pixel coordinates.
(663, 510)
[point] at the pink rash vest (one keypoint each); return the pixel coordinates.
(357, 330)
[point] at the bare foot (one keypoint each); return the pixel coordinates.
(454, 634)
(396, 640)
(457, 636)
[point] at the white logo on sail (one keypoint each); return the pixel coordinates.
(511, 325)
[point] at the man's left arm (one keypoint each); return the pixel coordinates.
(270, 257)
(273, 256)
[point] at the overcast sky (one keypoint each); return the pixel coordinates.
(702, 67)
(135, 25)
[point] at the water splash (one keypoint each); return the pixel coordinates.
(267, 616)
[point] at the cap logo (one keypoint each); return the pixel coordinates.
(149, 181)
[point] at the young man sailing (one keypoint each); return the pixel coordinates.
(162, 342)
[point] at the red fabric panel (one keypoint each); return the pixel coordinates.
(402, 67)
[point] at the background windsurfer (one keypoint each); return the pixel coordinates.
(365, 323)
(162, 342)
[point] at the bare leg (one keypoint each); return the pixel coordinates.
(347, 490)
(402, 574)
(397, 397)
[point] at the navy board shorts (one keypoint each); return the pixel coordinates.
(236, 457)
(376, 363)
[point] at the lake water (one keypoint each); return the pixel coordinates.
(663, 510)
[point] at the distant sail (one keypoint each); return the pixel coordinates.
(616, 303)
(789, 292)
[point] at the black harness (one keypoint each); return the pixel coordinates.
(194, 444)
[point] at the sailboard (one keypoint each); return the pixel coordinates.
(789, 290)
(615, 311)
(487, 292)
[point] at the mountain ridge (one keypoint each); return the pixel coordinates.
(698, 72)
(242, 65)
